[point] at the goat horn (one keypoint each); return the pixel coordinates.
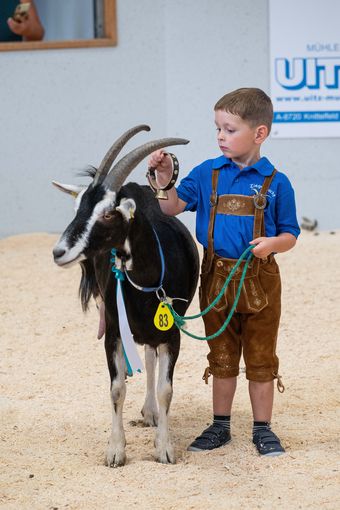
(124, 167)
(113, 152)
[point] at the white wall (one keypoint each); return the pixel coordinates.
(61, 109)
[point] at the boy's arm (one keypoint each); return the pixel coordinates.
(162, 163)
(267, 245)
(174, 205)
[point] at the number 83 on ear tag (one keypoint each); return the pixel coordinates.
(163, 319)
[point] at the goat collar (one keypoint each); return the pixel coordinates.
(148, 289)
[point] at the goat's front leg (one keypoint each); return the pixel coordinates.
(115, 455)
(165, 452)
(149, 410)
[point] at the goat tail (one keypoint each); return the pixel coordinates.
(88, 284)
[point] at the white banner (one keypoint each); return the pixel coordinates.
(305, 68)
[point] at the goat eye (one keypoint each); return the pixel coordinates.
(108, 216)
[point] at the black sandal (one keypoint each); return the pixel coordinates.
(267, 443)
(213, 437)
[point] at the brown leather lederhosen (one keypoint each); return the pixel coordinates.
(254, 325)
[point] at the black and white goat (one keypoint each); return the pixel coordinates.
(147, 242)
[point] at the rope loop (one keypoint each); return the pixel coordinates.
(180, 320)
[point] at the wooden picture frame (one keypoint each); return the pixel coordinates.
(109, 39)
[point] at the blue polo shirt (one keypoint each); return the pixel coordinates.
(233, 233)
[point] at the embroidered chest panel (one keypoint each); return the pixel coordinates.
(239, 205)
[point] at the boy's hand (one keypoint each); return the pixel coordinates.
(163, 164)
(264, 246)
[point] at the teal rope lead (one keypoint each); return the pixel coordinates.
(180, 320)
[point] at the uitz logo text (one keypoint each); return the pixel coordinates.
(312, 73)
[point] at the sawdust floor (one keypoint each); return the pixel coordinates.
(55, 406)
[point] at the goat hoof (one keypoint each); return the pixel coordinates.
(150, 417)
(166, 456)
(115, 462)
(150, 421)
(115, 459)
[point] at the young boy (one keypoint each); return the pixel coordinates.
(240, 199)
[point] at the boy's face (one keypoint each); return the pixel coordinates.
(236, 138)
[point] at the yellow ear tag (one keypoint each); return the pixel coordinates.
(163, 319)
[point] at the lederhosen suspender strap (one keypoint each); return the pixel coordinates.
(213, 209)
(260, 202)
(236, 204)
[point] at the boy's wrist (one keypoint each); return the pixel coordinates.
(283, 242)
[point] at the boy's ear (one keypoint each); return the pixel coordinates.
(261, 133)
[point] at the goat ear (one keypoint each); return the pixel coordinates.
(127, 208)
(71, 189)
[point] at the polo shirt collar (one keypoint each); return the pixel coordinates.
(220, 162)
(263, 166)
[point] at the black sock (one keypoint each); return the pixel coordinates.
(260, 425)
(222, 420)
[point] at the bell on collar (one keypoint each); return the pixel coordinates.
(161, 194)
